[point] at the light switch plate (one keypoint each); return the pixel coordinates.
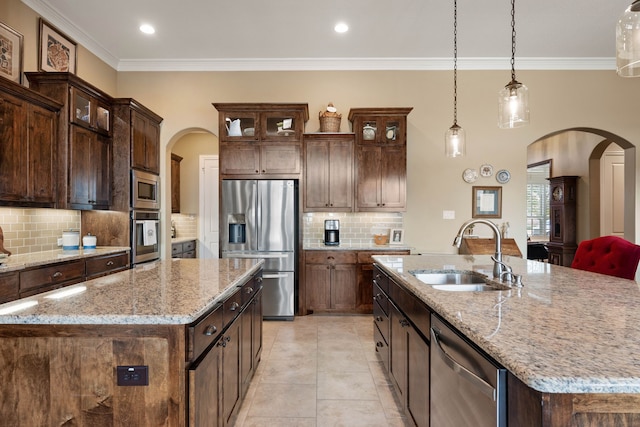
(448, 214)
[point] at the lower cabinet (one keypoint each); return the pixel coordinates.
(404, 351)
(225, 348)
(9, 287)
(183, 249)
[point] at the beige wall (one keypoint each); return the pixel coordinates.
(190, 147)
(559, 100)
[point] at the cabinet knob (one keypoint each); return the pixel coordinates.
(378, 318)
(379, 344)
(56, 275)
(222, 342)
(210, 330)
(110, 263)
(404, 323)
(259, 279)
(264, 171)
(234, 306)
(330, 258)
(249, 291)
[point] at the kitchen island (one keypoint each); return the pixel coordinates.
(569, 339)
(64, 360)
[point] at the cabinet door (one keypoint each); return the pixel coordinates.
(368, 179)
(175, 183)
(278, 159)
(318, 286)
(90, 166)
(145, 145)
(239, 159)
(205, 390)
(316, 175)
(257, 328)
(41, 143)
(231, 372)
(246, 353)
(417, 378)
(13, 162)
(343, 287)
(398, 325)
(284, 126)
(9, 287)
(393, 178)
(341, 175)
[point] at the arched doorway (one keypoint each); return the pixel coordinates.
(579, 151)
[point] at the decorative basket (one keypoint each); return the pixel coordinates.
(330, 124)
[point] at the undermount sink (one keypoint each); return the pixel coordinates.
(469, 281)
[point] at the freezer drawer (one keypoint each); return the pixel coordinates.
(278, 292)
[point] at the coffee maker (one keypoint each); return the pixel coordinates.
(331, 232)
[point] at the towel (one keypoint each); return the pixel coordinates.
(149, 237)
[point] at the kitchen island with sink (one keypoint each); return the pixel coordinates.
(153, 345)
(569, 340)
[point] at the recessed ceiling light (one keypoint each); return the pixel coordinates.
(341, 27)
(147, 29)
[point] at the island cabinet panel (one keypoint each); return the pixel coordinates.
(27, 147)
(9, 287)
(364, 296)
(401, 325)
(37, 280)
(107, 264)
(66, 375)
(529, 408)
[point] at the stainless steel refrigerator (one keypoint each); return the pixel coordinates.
(259, 220)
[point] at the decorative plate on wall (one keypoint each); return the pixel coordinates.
(486, 170)
(503, 176)
(470, 175)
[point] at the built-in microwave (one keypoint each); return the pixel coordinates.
(145, 190)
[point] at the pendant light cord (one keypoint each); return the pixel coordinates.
(455, 62)
(513, 40)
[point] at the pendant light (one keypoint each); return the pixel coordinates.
(513, 100)
(454, 138)
(628, 42)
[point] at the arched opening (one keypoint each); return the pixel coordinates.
(579, 152)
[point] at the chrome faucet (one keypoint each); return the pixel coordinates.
(498, 265)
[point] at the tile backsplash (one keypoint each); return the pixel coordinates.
(355, 228)
(35, 230)
(186, 225)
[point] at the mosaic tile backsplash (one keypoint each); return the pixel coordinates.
(355, 228)
(35, 230)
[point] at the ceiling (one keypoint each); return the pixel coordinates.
(205, 35)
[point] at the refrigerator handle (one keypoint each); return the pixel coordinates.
(274, 276)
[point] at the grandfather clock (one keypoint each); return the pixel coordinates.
(562, 239)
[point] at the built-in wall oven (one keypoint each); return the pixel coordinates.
(145, 190)
(145, 236)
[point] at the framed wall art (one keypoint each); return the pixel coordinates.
(11, 51)
(487, 202)
(56, 51)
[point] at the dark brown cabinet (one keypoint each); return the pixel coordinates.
(261, 139)
(9, 287)
(84, 165)
(328, 172)
(562, 240)
(381, 158)
(330, 281)
(175, 183)
(145, 142)
(106, 264)
(183, 249)
(364, 296)
(28, 142)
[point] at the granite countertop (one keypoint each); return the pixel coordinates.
(355, 247)
(34, 259)
(174, 291)
(565, 331)
(182, 239)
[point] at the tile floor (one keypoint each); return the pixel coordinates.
(320, 371)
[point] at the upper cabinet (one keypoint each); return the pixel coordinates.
(136, 145)
(175, 183)
(28, 132)
(328, 172)
(381, 158)
(261, 139)
(83, 163)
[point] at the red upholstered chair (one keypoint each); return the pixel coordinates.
(610, 255)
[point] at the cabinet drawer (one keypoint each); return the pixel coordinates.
(231, 307)
(381, 320)
(9, 286)
(176, 249)
(412, 307)
(189, 246)
(104, 264)
(250, 288)
(381, 298)
(189, 254)
(52, 275)
(381, 280)
(382, 347)
(330, 257)
(204, 332)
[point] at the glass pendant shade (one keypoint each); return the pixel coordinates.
(455, 142)
(628, 42)
(513, 106)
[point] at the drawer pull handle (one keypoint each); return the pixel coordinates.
(404, 323)
(330, 257)
(234, 306)
(56, 275)
(222, 342)
(249, 290)
(110, 263)
(378, 318)
(259, 279)
(210, 330)
(378, 276)
(379, 344)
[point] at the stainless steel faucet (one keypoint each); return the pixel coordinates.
(498, 265)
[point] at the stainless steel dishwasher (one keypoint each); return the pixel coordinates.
(467, 389)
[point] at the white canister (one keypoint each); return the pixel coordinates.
(89, 241)
(70, 240)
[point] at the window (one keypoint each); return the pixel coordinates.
(538, 224)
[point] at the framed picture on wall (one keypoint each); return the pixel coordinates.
(487, 202)
(11, 50)
(56, 51)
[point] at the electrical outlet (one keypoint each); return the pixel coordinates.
(133, 375)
